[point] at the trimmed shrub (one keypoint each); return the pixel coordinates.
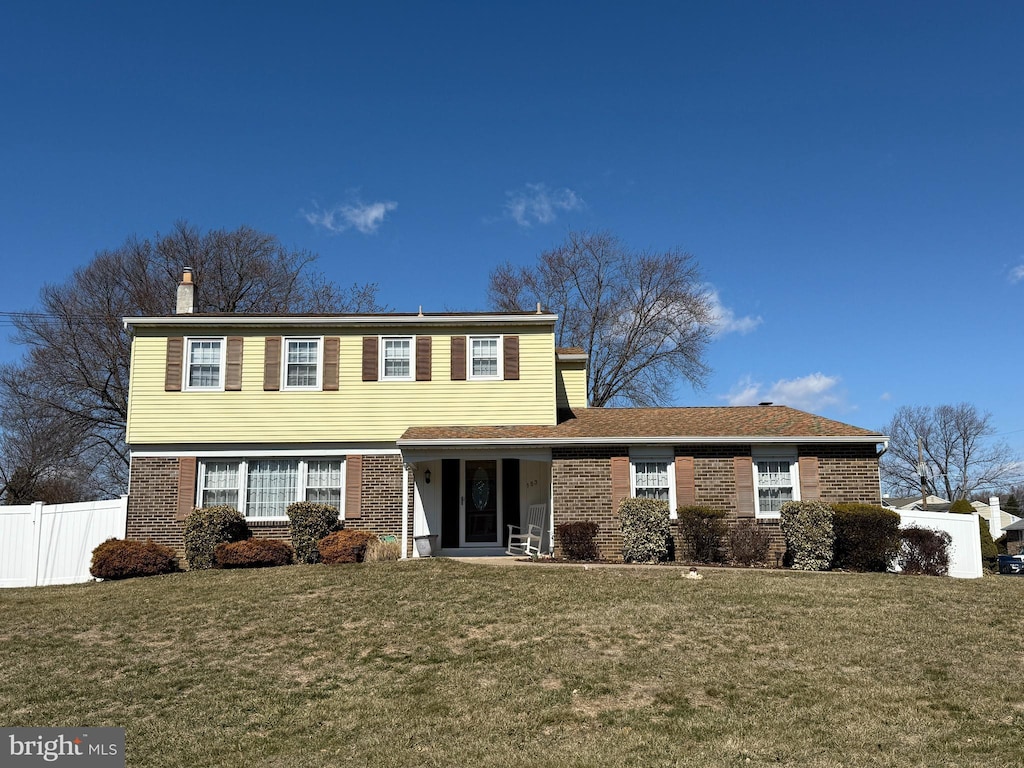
(749, 543)
(206, 527)
(125, 559)
(253, 553)
(961, 507)
(646, 530)
(577, 540)
(924, 551)
(344, 547)
(378, 551)
(310, 522)
(703, 529)
(807, 527)
(867, 537)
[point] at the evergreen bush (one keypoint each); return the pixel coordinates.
(703, 529)
(126, 559)
(749, 543)
(253, 553)
(310, 522)
(867, 537)
(807, 527)
(206, 527)
(646, 530)
(577, 539)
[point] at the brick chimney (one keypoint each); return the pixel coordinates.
(186, 294)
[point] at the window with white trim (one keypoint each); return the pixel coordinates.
(263, 488)
(652, 476)
(484, 357)
(218, 484)
(204, 368)
(302, 363)
(775, 482)
(396, 358)
(324, 482)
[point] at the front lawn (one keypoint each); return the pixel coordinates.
(448, 663)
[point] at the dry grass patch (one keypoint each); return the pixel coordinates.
(444, 663)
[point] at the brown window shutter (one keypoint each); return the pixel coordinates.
(620, 481)
(423, 361)
(686, 487)
(511, 345)
(175, 360)
(353, 486)
(458, 358)
(233, 365)
(809, 488)
(332, 357)
(186, 486)
(370, 367)
(272, 364)
(743, 469)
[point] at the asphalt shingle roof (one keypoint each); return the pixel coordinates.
(638, 423)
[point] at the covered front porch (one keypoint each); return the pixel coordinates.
(468, 498)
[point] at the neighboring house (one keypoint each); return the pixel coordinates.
(913, 504)
(1015, 537)
(451, 424)
(997, 518)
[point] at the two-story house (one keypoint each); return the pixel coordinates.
(451, 424)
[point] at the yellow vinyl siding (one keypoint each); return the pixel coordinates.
(572, 385)
(361, 411)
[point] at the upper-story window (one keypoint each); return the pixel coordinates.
(484, 357)
(205, 365)
(396, 357)
(302, 364)
(775, 481)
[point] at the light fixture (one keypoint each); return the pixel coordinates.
(426, 476)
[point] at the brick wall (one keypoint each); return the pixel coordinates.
(152, 502)
(846, 472)
(582, 485)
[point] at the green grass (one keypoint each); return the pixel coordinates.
(446, 663)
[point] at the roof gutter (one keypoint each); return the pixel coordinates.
(635, 440)
(335, 321)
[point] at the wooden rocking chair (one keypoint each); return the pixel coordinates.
(528, 542)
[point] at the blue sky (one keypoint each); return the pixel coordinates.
(849, 176)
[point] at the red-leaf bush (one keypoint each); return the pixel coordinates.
(924, 551)
(344, 547)
(253, 553)
(749, 543)
(125, 559)
(577, 539)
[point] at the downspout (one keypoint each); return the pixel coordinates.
(405, 510)
(879, 455)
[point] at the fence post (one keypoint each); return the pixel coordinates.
(37, 538)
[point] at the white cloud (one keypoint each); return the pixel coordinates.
(1017, 274)
(885, 396)
(809, 393)
(536, 204)
(365, 217)
(724, 318)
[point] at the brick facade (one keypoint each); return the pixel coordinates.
(581, 484)
(152, 503)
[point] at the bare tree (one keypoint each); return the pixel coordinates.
(959, 454)
(643, 318)
(77, 352)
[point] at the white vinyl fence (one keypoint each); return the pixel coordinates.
(52, 544)
(965, 549)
